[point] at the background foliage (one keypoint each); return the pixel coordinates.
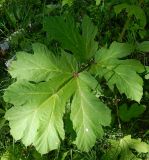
(116, 20)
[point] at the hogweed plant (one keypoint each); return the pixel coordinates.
(46, 82)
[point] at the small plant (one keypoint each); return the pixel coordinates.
(122, 149)
(126, 114)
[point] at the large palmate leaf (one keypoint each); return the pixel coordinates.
(121, 149)
(39, 108)
(82, 45)
(39, 104)
(38, 112)
(41, 65)
(123, 73)
(87, 113)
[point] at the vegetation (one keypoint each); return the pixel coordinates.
(74, 78)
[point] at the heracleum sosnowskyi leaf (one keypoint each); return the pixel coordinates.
(42, 65)
(87, 113)
(83, 46)
(122, 73)
(37, 115)
(38, 119)
(39, 105)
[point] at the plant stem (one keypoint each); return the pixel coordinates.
(120, 39)
(117, 112)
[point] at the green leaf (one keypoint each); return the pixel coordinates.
(116, 50)
(64, 30)
(126, 114)
(132, 10)
(25, 90)
(98, 2)
(42, 65)
(38, 113)
(88, 114)
(7, 156)
(143, 47)
(89, 80)
(140, 147)
(127, 81)
(121, 149)
(133, 64)
(39, 101)
(89, 32)
(39, 108)
(122, 73)
(68, 2)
